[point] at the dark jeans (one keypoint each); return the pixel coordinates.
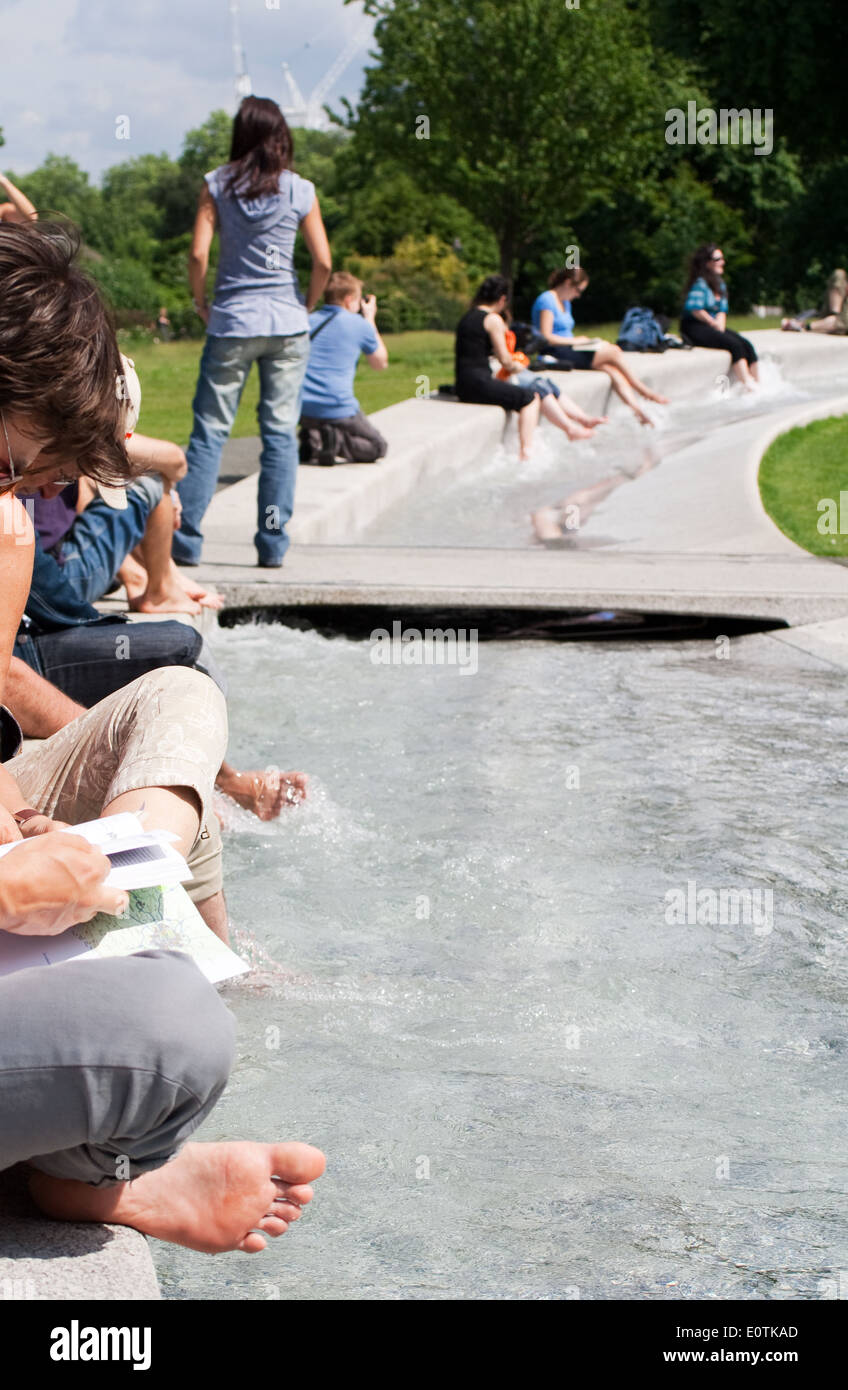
(704, 335)
(89, 662)
(355, 439)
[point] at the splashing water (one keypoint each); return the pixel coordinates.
(490, 503)
(527, 1080)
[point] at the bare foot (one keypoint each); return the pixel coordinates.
(171, 599)
(655, 396)
(133, 576)
(211, 1197)
(575, 432)
(546, 523)
(207, 598)
(642, 417)
(264, 793)
(593, 420)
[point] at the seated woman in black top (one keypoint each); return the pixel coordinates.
(481, 334)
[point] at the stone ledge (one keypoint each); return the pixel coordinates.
(429, 437)
(58, 1260)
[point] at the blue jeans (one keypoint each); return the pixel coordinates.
(102, 537)
(82, 662)
(224, 369)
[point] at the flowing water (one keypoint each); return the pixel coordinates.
(471, 992)
(490, 504)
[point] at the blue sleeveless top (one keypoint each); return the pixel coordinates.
(256, 290)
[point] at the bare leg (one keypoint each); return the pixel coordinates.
(263, 793)
(743, 374)
(547, 523)
(576, 412)
(214, 913)
(176, 809)
(610, 355)
(550, 523)
(164, 594)
(210, 1197)
(162, 808)
(552, 410)
(133, 576)
(825, 325)
(621, 389)
(528, 418)
(207, 598)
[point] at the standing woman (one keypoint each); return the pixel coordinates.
(704, 318)
(481, 334)
(553, 319)
(257, 315)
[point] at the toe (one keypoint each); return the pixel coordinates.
(273, 1226)
(253, 1243)
(298, 1193)
(286, 1211)
(297, 1163)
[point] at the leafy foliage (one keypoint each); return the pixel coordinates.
(500, 135)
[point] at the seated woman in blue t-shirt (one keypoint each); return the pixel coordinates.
(553, 319)
(704, 318)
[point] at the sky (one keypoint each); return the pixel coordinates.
(72, 71)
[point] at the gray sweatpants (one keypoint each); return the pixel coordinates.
(107, 1066)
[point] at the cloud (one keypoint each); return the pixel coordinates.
(71, 67)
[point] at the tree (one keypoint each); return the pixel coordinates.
(522, 112)
(765, 53)
(60, 186)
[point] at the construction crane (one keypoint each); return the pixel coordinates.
(243, 85)
(309, 112)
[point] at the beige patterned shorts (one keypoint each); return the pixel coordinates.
(166, 729)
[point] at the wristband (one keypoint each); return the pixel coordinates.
(26, 813)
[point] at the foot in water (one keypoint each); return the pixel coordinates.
(211, 1197)
(264, 794)
(547, 523)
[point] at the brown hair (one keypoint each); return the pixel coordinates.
(261, 148)
(59, 357)
(568, 275)
(340, 284)
(701, 267)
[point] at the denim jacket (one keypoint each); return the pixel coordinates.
(52, 602)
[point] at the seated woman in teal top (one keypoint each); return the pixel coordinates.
(553, 319)
(700, 296)
(704, 319)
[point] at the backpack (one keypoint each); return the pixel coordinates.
(640, 331)
(527, 340)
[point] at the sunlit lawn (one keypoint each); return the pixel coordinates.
(799, 470)
(168, 373)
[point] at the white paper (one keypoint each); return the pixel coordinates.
(143, 858)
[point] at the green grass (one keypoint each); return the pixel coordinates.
(168, 373)
(801, 468)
